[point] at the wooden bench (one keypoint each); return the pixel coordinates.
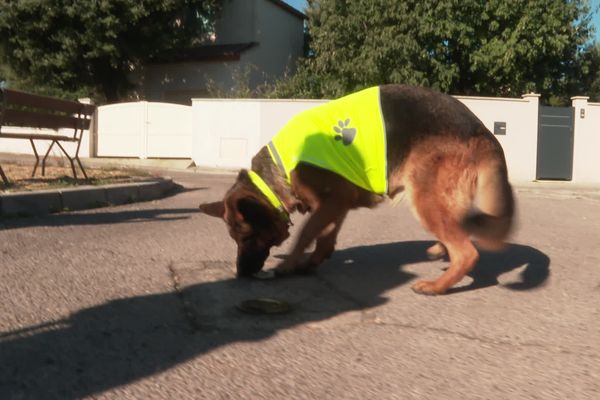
(58, 117)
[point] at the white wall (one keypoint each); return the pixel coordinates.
(225, 133)
(229, 132)
(520, 141)
(120, 130)
(586, 159)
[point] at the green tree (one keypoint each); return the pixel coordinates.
(6, 73)
(588, 81)
(496, 47)
(68, 47)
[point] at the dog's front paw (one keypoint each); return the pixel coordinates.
(429, 288)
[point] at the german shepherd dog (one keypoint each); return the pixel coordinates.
(451, 168)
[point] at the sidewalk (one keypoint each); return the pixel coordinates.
(89, 196)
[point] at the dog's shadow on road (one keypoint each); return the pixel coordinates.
(121, 341)
(378, 261)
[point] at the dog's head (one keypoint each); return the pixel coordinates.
(252, 221)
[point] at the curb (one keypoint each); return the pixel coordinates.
(70, 199)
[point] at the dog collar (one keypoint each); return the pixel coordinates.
(269, 194)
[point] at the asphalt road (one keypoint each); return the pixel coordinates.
(138, 301)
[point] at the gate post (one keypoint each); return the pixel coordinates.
(527, 147)
(144, 128)
(585, 151)
(92, 131)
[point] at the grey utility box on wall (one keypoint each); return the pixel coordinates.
(499, 128)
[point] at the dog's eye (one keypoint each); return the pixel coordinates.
(253, 241)
(248, 240)
(244, 229)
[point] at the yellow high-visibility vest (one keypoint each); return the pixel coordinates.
(345, 136)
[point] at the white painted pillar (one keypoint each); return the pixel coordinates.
(528, 143)
(586, 163)
(92, 134)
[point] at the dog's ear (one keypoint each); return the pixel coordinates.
(243, 176)
(215, 209)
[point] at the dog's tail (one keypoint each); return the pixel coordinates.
(491, 220)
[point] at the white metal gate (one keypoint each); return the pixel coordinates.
(145, 130)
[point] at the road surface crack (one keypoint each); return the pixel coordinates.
(186, 308)
(487, 341)
(365, 310)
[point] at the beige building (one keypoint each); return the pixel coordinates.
(255, 42)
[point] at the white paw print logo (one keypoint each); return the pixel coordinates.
(345, 134)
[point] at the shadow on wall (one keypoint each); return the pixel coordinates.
(115, 343)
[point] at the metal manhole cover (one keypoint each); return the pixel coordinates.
(264, 305)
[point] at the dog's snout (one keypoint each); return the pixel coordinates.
(250, 261)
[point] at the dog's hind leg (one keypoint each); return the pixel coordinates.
(463, 257)
(441, 196)
(437, 251)
(444, 224)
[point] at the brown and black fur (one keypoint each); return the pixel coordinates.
(439, 153)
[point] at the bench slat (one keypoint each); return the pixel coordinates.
(39, 136)
(37, 120)
(49, 103)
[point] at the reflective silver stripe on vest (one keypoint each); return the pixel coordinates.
(275, 153)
